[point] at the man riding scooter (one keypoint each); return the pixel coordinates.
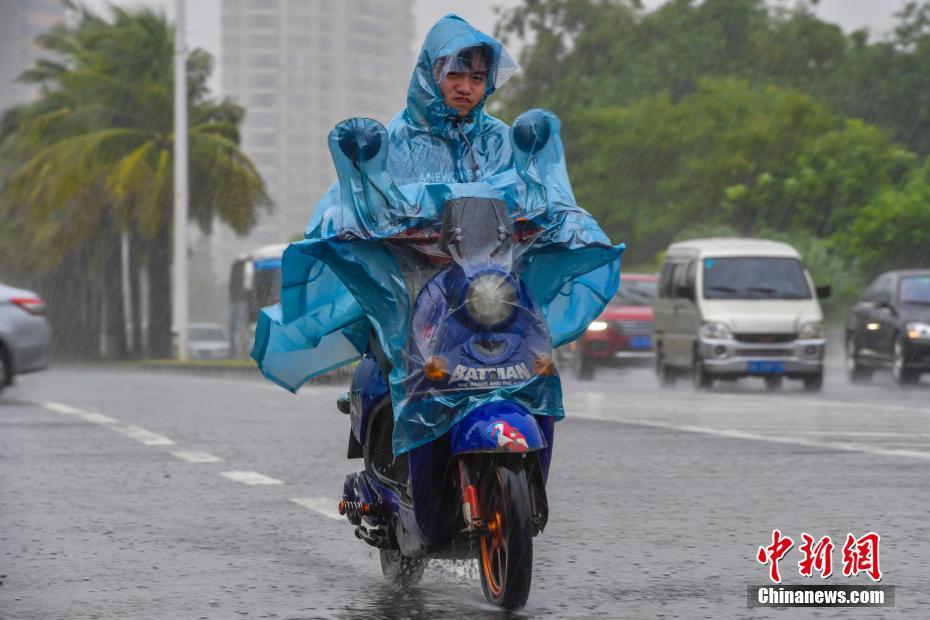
(451, 255)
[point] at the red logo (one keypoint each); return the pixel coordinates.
(860, 555)
(773, 553)
(507, 436)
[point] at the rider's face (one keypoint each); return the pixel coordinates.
(462, 91)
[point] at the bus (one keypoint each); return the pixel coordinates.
(254, 282)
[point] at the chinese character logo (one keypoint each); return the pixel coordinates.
(860, 555)
(773, 553)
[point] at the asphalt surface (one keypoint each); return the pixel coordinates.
(127, 494)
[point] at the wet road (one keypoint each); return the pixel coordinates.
(133, 495)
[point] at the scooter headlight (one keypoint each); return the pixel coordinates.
(490, 299)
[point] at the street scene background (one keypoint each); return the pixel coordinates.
(134, 485)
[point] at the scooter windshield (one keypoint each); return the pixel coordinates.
(477, 233)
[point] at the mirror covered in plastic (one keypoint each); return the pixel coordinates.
(464, 288)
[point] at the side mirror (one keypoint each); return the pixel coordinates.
(887, 307)
(824, 292)
(686, 291)
(359, 139)
(531, 131)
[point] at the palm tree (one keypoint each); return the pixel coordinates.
(96, 150)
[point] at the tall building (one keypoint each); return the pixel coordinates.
(299, 67)
(21, 21)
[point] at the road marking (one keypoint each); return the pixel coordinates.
(197, 457)
(322, 505)
(250, 477)
(60, 408)
(147, 437)
(98, 418)
(737, 434)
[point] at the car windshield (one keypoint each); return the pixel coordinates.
(757, 277)
(635, 293)
(206, 333)
(915, 290)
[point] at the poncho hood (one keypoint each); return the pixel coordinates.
(449, 36)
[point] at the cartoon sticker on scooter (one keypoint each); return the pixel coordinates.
(507, 436)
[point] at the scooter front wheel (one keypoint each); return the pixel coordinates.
(505, 553)
(400, 570)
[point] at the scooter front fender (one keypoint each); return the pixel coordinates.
(500, 426)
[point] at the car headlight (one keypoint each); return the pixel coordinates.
(918, 330)
(597, 326)
(716, 330)
(490, 299)
(812, 329)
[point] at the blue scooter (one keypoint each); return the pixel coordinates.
(480, 488)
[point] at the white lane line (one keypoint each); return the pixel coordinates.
(98, 418)
(60, 408)
(737, 434)
(250, 477)
(322, 505)
(147, 437)
(196, 457)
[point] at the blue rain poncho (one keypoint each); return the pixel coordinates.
(344, 282)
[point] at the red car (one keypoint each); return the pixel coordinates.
(623, 332)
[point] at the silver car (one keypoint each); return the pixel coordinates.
(24, 333)
(207, 341)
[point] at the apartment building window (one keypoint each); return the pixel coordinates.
(262, 159)
(266, 41)
(262, 119)
(264, 100)
(263, 61)
(263, 80)
(263, 139)
(263, 21)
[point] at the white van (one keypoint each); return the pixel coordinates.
(730, 308)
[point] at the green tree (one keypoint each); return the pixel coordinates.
(93, 158)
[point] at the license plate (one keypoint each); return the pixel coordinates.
(641, 342)
(765, 368)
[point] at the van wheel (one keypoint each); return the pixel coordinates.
(664, 373)
(814, 383)
(699, 375)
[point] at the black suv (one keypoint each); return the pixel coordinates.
(890, 326)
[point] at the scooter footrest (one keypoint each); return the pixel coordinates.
(375, 537)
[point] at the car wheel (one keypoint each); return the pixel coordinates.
(699, 375)
(584, 367)
(899, 370)
(4, 370)
(664, 373)
(854, 369)
(814, 383)
(773, 384)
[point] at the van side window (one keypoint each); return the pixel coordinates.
(677, 279)
(665, 280)
(690, 274)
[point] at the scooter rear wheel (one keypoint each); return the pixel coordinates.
(505, 553)
(400, 570)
